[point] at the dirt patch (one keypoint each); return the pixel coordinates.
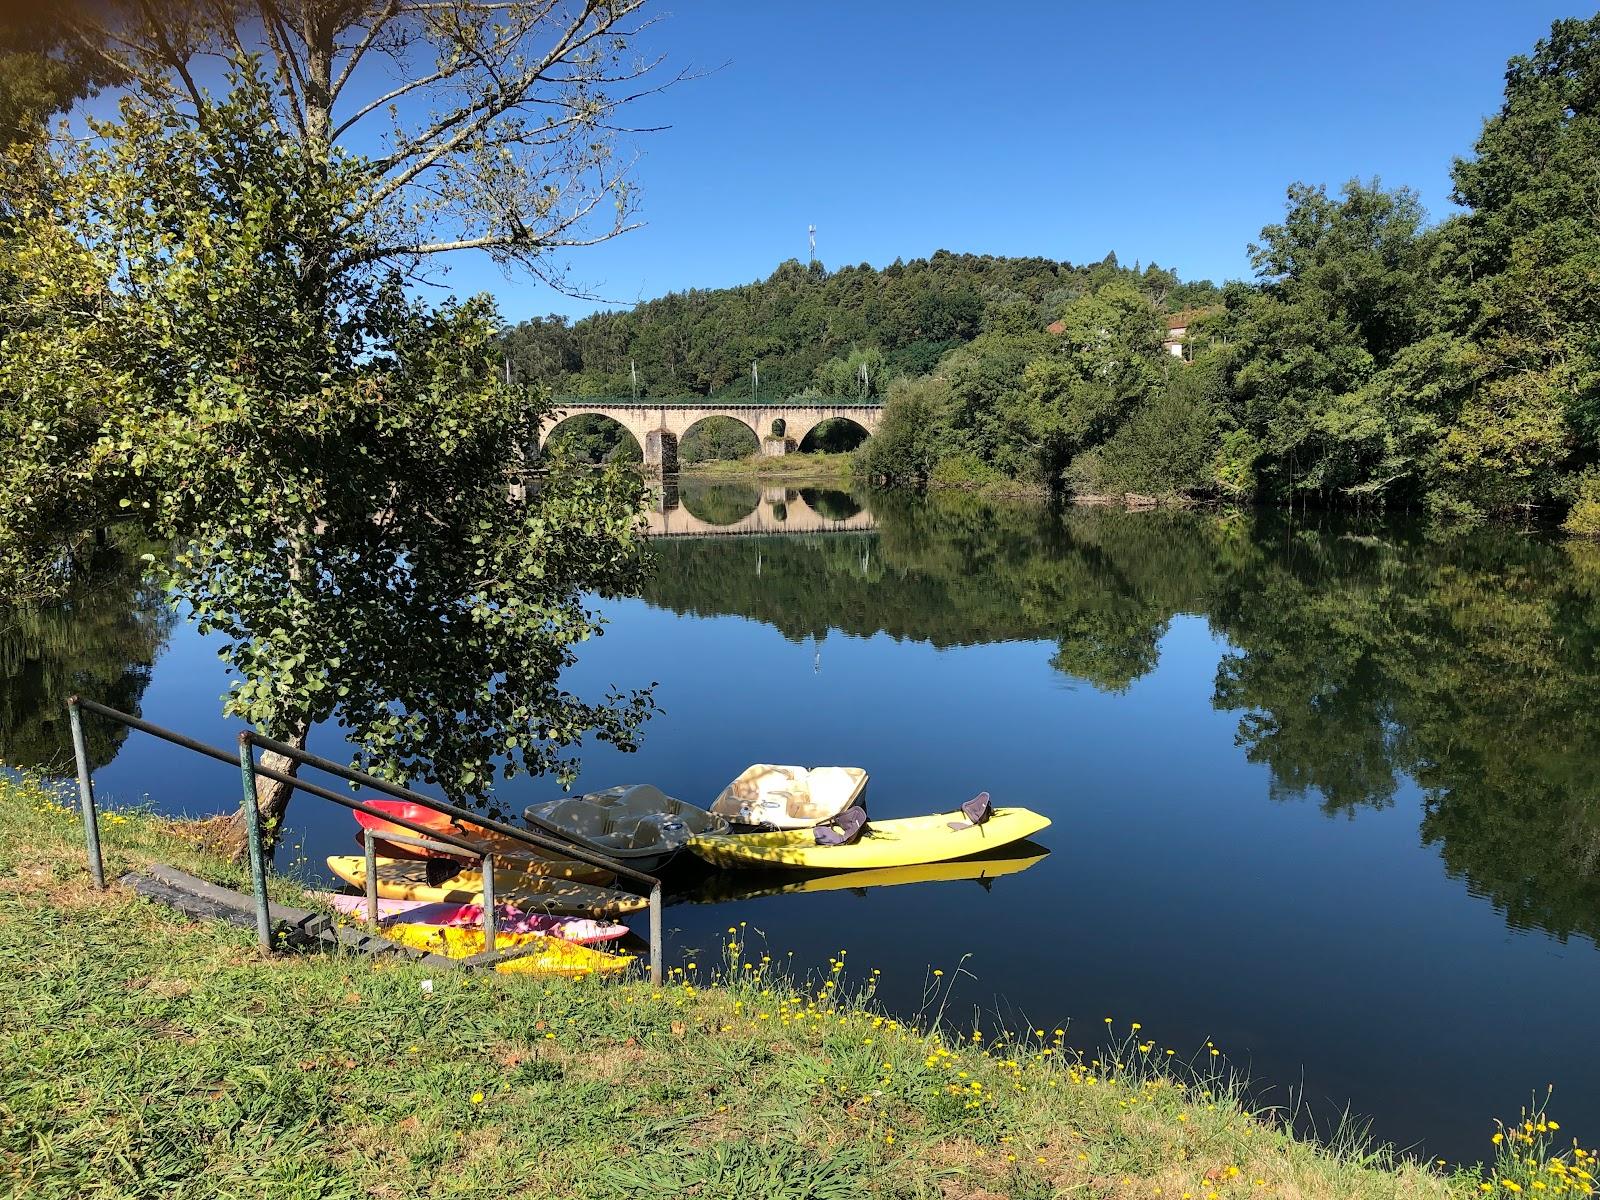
(219, 835)
(615, 1064)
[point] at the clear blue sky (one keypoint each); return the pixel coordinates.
(1162, 131)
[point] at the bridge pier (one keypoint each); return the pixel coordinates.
(661, 451)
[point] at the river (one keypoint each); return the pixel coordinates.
(1323, 792)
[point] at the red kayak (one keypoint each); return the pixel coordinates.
(430, 819)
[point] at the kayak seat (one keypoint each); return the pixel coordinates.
(576, 816)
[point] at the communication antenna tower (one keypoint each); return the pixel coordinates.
(811, 231)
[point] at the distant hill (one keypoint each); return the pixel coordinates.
(812, 328)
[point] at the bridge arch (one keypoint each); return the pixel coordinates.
(576, 424)
(748, 446)
(826, 427)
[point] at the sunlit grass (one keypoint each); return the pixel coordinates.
(150, 1056)
(819, 467)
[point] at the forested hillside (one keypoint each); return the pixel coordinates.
(810, 328)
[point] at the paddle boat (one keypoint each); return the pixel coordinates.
(776, 797)
(850, 842)
(636, 824)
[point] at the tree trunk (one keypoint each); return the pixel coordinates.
(272, 797)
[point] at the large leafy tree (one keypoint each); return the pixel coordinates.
(45, 66)
(220, 345)
(1108, 360)
(1525, 283)
(1341, 297)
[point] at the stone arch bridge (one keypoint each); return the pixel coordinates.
(658, 427)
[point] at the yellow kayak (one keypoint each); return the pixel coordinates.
(720, 889)
(903, 842)
(409, 879)
(549, 956)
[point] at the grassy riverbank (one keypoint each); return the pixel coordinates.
(148, 1056)
(785, 468)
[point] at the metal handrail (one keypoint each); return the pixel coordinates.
(401, 792)
(252, 818)
(250, 770)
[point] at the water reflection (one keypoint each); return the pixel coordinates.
(689, 507)
(1283, 759)
(723, 887)
(101, 640)
(1360, 655)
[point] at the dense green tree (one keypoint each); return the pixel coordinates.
(984, 410)
(1108, 360)
(717, 438)
(863, 374)
(218, 345)
(1341, 296)
(910, 437)
(1524, 277)
(805, 325)
(590, 439)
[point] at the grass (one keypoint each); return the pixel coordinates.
(147, 1056)
(807, 468)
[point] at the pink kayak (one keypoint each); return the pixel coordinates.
(509, 918)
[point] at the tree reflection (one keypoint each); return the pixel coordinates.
(1359, 656)
(100, 640)
(718, 503)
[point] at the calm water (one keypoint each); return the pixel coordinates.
(1323, 793)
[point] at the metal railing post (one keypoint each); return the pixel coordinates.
(252, 827)
(369, 849)
(655, 936)
(488, 902)
(91, 821)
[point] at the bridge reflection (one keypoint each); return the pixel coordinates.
(739, 510)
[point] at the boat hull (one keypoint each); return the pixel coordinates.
(728, 886)
(901, 842)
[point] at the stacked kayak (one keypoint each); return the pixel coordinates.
(546, 955)
(507, 850)
(508, 918)
(525, 882)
